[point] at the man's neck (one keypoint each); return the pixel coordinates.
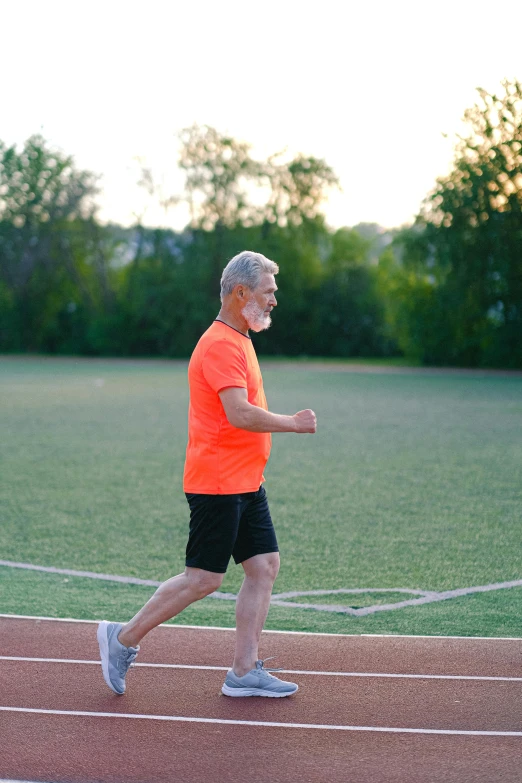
(237, 323)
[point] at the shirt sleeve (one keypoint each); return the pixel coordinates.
(224, 364)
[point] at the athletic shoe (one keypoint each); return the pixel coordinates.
(115, 657)
(257, 682)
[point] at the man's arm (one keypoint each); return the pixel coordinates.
(245, 416)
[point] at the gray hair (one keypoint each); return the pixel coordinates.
(246, 269)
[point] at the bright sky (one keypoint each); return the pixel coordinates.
(369, 86)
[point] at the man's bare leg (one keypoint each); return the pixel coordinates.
(170, 599)
(252, 607)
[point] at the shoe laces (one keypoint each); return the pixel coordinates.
(260, 666)
(125, 660)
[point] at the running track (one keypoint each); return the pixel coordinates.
(362, 713)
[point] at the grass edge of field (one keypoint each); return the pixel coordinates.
(303, 360)
(495, 614)
(378, 361)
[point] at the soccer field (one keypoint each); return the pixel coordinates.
(412, 482)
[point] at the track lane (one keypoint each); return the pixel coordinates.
(174, 666)
(107, 750)
(64, 750)
(434, 704)
(202, 646)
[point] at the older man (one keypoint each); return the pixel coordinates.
(229, 443)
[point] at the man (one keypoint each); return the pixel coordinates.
(228, 447)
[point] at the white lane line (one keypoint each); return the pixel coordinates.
(174, 626)
(385, 675)
(266, 724)
(98, 663)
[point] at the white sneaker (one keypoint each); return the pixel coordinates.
(257, 682)
(115, 657)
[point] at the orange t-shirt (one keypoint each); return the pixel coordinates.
(222, 459)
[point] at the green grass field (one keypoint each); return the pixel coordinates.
(412, 481)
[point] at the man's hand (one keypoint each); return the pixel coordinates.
(305, 421)
(244, 416)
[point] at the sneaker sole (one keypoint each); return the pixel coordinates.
(239, 692)
(104, 654)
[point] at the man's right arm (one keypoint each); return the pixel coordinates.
(245, 416)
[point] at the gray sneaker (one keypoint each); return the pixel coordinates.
(257, 682)
(115, 657)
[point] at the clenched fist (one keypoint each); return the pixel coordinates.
(305, 421)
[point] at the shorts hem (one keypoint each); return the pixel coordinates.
(253, 554)
(195, 564)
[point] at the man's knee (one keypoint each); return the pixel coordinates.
(263, 567)
(203, 582)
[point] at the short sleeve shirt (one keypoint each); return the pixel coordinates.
(222, 459)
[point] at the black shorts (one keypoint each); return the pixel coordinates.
(225, 525)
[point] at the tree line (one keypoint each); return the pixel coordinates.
(446, 290)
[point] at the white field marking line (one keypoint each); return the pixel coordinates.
(267, 724)
(426, 597)
(384, 675)
(278, 599)
(130, 580)
(174, 626)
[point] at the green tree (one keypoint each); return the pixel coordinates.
(224, 185)
(51, 260)
(455, 289)
(298, 189)
(227, 190)
(349, 316)
(218, 172)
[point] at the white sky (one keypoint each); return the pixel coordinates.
(369, 86)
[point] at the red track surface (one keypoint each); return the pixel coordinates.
(88, 749)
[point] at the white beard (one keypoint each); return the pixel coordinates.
(255, 317)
